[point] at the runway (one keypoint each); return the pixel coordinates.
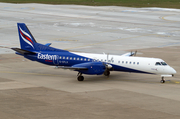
(32, 90)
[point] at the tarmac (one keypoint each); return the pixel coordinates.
(30, 90)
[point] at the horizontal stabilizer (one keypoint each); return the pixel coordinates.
(47, 44)
(21, 51)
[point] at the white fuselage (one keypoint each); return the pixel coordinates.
(141, 64)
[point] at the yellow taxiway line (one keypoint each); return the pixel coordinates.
(163, 17)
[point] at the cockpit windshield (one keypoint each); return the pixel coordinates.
(163, 63)
(160, 63)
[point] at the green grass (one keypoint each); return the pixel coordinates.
(129, 3)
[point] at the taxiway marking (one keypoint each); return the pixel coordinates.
(15, 85)
(163, 17)
(11, 72)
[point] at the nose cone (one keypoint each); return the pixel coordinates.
(172, 71)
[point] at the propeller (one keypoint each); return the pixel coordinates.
(107, 65)
(133, 53)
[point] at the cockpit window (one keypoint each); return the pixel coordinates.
(158, 63)
(163, 63)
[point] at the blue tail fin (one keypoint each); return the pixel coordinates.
(27, 41)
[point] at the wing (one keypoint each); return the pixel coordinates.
(73, 68)
(129, 54)
(90, 68)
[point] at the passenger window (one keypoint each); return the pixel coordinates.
(126, 62)
(122, 61)
(77, 58)
(60, 57)
(81, 58)
(67, 58)
(158, 63)
(88, 59)
(137, 63)
(118, 61)
(70, 58)
(134, 62)
(63, 57)
(74, 58)
(129, 62)
(84, 59)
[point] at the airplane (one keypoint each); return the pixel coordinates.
(88, 63)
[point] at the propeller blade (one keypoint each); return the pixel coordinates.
(135, 53)
(107, 57)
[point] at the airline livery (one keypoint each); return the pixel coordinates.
(87, 63)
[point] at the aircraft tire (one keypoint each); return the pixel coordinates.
(107, 73)
(162, 81)
(80, 78)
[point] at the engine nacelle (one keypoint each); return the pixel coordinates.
(94, 68)
(108, 66)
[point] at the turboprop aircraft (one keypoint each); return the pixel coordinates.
(88, 63)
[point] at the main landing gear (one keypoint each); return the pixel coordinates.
(107, 73)
(162, 80)
(80, 77)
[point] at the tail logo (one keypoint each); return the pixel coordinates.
(26, 37)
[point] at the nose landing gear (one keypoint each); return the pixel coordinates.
(162, 80)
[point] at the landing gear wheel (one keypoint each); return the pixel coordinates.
(163, 80)
(107, 73)
(80, 78)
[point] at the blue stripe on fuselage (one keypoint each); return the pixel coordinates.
(125, 69)
(53, 58)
